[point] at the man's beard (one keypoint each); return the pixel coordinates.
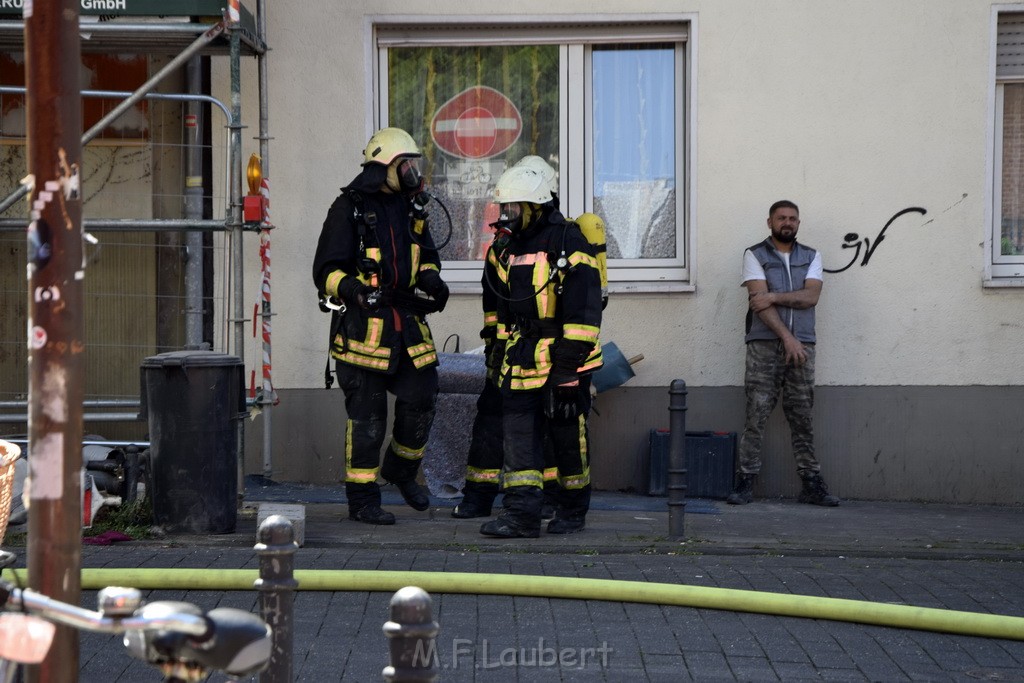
(784, 237)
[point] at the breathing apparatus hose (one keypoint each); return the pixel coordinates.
(777, 604)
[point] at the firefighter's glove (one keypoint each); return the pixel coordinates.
(355, 293)
(419, 206)
(568, 355)
(562, 401)
(432, 284)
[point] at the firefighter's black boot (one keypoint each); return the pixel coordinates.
(371, 514)
(477, 500)
(520, 514)
(473, 506)
(571, 515)
(744, 491)
(364, 504)
(505, 528)
(414, 495)
(815, 492)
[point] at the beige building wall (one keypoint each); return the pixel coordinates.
(856, 111)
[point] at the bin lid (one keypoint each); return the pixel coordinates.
(191, 359)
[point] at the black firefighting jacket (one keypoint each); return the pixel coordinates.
(540, 304)
(368, 235)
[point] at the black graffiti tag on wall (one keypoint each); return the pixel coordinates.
(854, 241)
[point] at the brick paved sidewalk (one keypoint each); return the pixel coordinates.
(338, 635)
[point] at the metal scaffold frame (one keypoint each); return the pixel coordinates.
(191, 28)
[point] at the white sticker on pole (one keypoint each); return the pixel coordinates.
(46, 468)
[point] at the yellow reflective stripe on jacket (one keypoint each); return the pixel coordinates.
(406, 452)
(423, 354)
(361, 361)
(373, 253)
(369, 349)
(374, 331)
(331, 283)
(482, 476)
(490, 318)
(426, 359)
(576, 258)
(550, 474)
(524, 478)
(583, 333)
(414, 269)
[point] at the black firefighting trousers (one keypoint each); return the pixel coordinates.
(366, 403)
(525, 428)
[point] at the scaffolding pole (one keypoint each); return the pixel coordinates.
(268, 395)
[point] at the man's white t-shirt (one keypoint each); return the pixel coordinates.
(752, 269)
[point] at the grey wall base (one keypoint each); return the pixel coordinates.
(943, 444)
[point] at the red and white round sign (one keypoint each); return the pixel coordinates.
(478, 123)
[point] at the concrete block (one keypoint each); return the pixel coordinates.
(296, 514)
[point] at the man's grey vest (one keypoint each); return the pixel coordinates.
(799, 321)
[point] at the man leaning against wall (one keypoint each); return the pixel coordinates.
(783, 281)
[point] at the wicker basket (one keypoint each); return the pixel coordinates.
(8, 454)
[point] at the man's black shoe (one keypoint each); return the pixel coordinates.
(565, 526)
(744, 491)
(371, 514)
(469, 509)
(501, 528)
(414, 495)
(815, 492)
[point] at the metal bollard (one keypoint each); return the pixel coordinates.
(411, 633)
(277, 585)
(677, 458)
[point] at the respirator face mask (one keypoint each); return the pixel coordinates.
(511, 217)
(405, 175)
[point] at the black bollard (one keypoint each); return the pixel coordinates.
(277, 585)
(677, 458)
(411, 633)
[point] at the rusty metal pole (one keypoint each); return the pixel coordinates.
(55, 325)
(677, 458)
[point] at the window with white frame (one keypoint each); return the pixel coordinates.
(1007, 253)
(603, 103)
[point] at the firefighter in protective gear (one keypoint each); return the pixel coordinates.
(485, 457)
(548, 295)
(374, 251)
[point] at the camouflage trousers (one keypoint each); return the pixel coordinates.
(767, 376)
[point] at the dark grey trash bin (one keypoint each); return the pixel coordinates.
(193, 401)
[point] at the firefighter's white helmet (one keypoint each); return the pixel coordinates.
(544, 168)
(521, 184)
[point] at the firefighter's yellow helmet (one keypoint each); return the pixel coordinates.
(387, 144)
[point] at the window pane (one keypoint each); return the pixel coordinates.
(1012, 238)
(474, 109)
(634, 148)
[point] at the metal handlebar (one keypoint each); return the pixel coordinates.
(178, 637)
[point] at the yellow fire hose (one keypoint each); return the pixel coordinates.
(778, 604)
